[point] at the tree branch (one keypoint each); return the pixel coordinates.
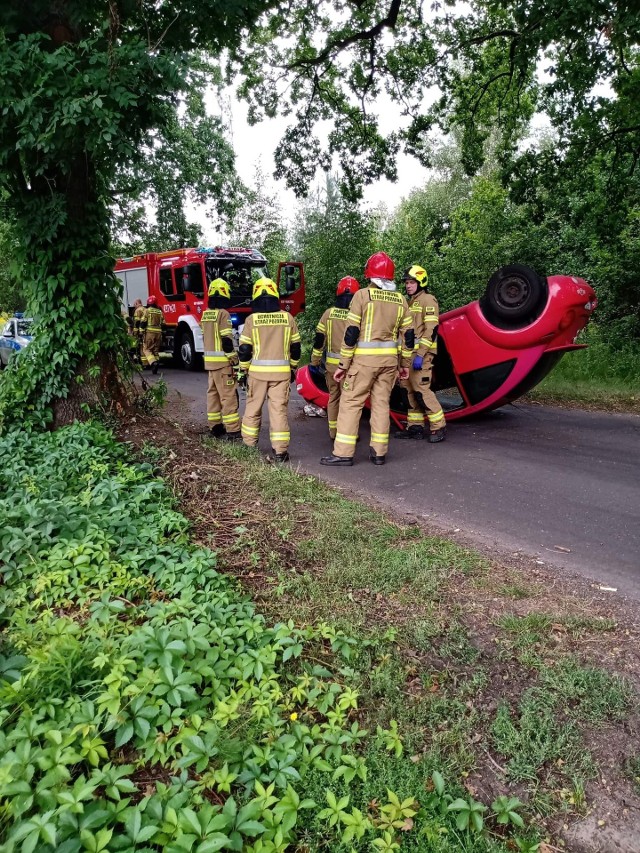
(372, 33)
(514, 34)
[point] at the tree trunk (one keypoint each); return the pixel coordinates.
(73, 365)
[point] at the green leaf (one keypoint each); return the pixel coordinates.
(215, 842)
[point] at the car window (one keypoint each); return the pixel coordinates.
(24, 327)
(6, 328)
(485, 381)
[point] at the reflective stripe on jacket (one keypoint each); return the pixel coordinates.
(270, 334)
(333, 324)
(425, 313)
(155, 318)
(216, 325)
(138, 316)
(381, 316)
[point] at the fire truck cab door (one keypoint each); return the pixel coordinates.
(290, 283)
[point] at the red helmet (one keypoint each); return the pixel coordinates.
(152, 300)
(348, 284)
(380, 265)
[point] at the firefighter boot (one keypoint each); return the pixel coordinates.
(438, 435)
(415, 432)
(336, 460)
(375, 459)
(232, 436)
(154, 367)
(217, 431)
(280, 457)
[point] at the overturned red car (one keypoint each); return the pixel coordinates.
(497, 348)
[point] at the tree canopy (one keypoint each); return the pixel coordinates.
(475, 66)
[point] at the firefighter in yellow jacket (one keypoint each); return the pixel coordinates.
(329, 336)
(425, 314)
(151, 326)
(377, 317)
(139, 313)
(219, 360)
(269, 351)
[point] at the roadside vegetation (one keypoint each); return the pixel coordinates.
(497, 678)
(362, 701)
(146, 704)
(605, 376)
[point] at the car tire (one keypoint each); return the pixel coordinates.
(188, 358)
(515, 296)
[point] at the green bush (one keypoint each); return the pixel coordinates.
(145, 705)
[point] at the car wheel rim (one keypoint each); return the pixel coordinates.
(513, 292)
(185, 351)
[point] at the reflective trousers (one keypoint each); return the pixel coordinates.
(277, 395)
(335, 392)
(222, 399)
(151, 347)
(364, 381)
(422, 399)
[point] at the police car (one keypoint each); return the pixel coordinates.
(15, 336)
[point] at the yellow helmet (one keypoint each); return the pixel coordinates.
(219, 287)
(265, 287)
(418, 273)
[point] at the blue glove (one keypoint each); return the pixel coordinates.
(417, 362)
(314, 368)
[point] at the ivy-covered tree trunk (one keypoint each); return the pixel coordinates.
(72, 366)
(87, 87)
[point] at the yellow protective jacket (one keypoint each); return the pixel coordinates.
(332, 326)
(269, 345)
(375, 320)
(218, 339)
(425, 315)
(138, 316)
(154, 318)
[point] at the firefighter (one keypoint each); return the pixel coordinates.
(369, 361)
(138, 316)
(329, 335)
(269, 351)
(151, 326)
(132, 340)
(424, 311)
(219, 360)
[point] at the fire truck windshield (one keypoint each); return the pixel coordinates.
(240, 278)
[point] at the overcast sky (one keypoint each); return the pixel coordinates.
(258, 143)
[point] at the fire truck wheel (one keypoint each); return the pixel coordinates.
(187, 356)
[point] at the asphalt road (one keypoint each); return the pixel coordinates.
(562, 486)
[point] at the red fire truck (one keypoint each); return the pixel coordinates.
(179, 280)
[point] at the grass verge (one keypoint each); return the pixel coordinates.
(604, 376)
(505, 686)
